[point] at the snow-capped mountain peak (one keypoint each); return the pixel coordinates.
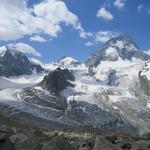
(122, 42)
(13, 62)
(68, 61)
(118, 48)
(11, 49)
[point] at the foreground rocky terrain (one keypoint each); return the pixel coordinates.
(16, 135)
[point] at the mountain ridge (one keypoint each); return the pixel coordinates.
(15, 63)
(127, 49)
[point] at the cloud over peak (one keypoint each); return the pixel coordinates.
(25, 48)
(104, 36)
(22, 47)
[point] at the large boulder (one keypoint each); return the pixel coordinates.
(141, 145)
(102, 143)
(24, 142)
(58, 143)
(5, 143)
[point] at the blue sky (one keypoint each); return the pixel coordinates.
(97, 20)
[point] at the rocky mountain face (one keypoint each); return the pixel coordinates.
(144, 78)
(57, 80)
(122, 47)
(15, 63)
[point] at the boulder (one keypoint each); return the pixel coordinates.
(141, 145)
(58, 143)
(102, 143)
(23, 142)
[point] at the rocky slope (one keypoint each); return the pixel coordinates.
(24, 137)
(15, 63)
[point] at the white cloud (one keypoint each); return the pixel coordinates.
(37, 38)
(119, 3)
(89, 44)
(45, 17)
(22, 47)
(140, 7)
(143, 8)
(25, 48)
(105, 14)
(104, 36)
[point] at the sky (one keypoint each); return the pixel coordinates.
(51, 29)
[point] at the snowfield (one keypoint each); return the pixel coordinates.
(10, 86)
(21, 81)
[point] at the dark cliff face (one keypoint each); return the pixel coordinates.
(144, 81)
(17, 64)
(124, 47)
(57, 80)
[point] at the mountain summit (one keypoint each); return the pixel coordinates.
(68, 61)
(118, 48)
(122, 42)
(15, 63)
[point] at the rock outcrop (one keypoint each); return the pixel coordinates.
(57, 80)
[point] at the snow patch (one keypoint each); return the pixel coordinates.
(111, 52)
(21, 81)
(119, 44)
(46, 66)
(67, 61)
(148, 105)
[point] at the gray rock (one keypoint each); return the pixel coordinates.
(141, 145)
(87, 145)
(23, 142)
(58, 143)
(3, 136)
(57, 80)
(6, 145)
(102, 143)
